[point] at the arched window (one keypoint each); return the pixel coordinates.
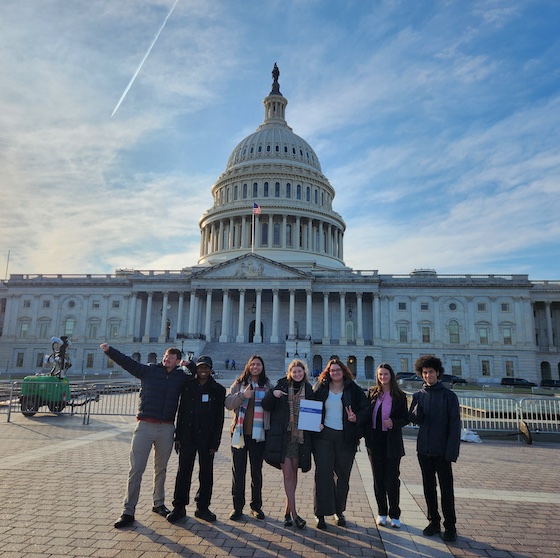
(69, 325)
(277, 190)
(288, 190)
(276, 240)
(298, 191)
(453, 331)
(308, 194)
(265, 190)
(255, 189)
(315, 196)
(235, 193)
(244, 191)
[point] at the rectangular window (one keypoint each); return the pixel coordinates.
(113, 331)
(95, 304)
(116, 304)
(110, 363)
(403, 334)
(46, 303)
(23, 329)
(89, 360)
(424, 306)
(509, 368)
(481, 306)
(19, 360)
(456, 368)
(404, 364)
(92, 331)
(505, 306)
(27, 304)
(43, 330)
(485, 364)
(425, 334)
(507, 335)
(40, 360)
(483, 335)
(402, 305)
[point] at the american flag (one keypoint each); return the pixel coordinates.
(256, 209)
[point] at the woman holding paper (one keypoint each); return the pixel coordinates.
(288, 447)
(384, 441)
(345, 408)
(249, 423)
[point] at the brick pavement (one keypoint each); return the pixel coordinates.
(62, 485)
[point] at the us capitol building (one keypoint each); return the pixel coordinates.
(271, 280)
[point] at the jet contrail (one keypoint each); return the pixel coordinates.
(144, 59)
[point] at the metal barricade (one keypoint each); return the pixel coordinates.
(541, 414)
(489, 413)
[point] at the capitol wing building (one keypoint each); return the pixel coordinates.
(271, 280)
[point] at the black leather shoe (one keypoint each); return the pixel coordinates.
(161, 510)
(300, 522)
(449, 535)
(124, 520)
(235, 515)
(321, 524)
(431, 529)
(207, 515)
(340, 520)
(288, 520)
(176, 514)
(257, 514)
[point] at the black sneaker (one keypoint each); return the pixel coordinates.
(340, 520)
(449, 535)
(161, 510)
(321, 523)
(431, 529)
(235, 515)
(176, 514)
(207, 515)
(124, 520)
(257, 514)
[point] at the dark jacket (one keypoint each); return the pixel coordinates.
(352, 395)
(399, 416)
(436, 410)
(278, 436)
(207, 401)
(159, 391)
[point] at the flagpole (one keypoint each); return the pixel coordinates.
(253, 233)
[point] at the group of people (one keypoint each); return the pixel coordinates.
(266, 427)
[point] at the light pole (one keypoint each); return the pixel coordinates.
(182, 337)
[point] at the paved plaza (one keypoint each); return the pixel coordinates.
(63, 483)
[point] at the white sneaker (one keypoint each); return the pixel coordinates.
(395, 523)
(381, 520)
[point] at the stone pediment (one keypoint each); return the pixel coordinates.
(250, 266)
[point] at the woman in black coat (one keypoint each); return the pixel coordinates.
(287, 447)
(345, 409)
(383, 433)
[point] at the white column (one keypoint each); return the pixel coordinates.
(241, 320)
(224, 337)
(163, 325)
(309, 314)
(146, 338)
(292, 314)
(258, 335)
(360, 338)
(376, 319)
(274, 336)
(230, 233)
(342, 305)
(283, 231)
(208, 320)
(131, 315)
(179, 328)
(548, 311)
(326, 329)
(297, 235)
(191, 312)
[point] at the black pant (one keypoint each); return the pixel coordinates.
(386, 484)
(255, 451)
(333, 464)
(187, 456)
(430, 467)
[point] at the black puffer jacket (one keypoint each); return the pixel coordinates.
(160, 390)
(353, 395)
(278, 436)
(210, 416)
(436, 410)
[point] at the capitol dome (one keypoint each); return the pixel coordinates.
(273, 199)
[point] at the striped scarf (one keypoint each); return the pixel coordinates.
(237, 440)
(294, 399)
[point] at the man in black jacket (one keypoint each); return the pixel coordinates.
(436, 410)
(199, 430)
(159, 396)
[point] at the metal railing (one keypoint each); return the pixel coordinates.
(488, 413)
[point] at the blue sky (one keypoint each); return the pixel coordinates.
(437, 123)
